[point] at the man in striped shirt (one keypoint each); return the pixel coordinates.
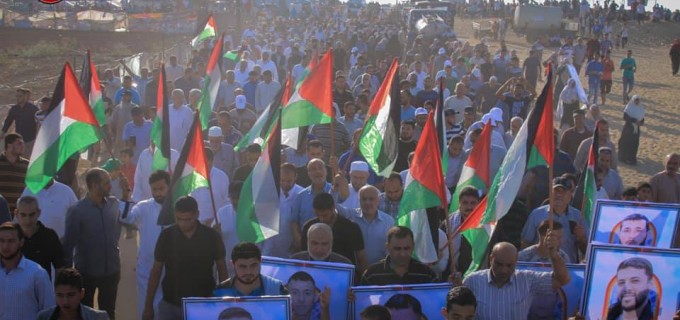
(13, 169)
(505, 293)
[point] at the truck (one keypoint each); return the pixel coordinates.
(534, 21)
(431, 22)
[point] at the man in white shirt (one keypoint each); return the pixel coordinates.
(219, 182)
(280, 245)
(226, 221)
(142, 191)
(144, 215)
(241, 72)
(459, 101)
(181, 117)
(267, 64)
(266, 91)
(173, 70)
(358, 177)
(54, 201)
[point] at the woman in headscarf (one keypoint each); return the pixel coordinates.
(569, 101)
(634, 115)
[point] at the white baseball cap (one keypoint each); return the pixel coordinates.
(442, 51)
(240, 102)
(360, 166)
(215, 132)
(421, 111)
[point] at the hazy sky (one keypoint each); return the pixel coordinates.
(672, 4)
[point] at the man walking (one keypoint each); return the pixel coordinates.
(629, 68)
(22, 115)
(92, 230)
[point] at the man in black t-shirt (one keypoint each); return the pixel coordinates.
(348, 240)
(187, 251)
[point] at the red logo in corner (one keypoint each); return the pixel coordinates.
(50, 1)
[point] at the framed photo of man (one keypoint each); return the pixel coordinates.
(243, 308)
(410, 302)
(306, 280)
(631, 282)
(635, 223)
(565, 302)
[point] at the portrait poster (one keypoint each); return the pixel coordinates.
(621, 279)
(635, 223)
(566, 301)
(241, 308)
(418, 301)
(337, 277)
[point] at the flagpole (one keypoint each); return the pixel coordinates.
(212, 199)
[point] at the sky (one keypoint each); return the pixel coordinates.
(671, 4)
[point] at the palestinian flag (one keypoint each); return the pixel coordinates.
(312, 103)
(264, 124)
(69, 127)
(231, 55)
(191, 172)
(210, 31)
(424, 188)
(89, 82)
(257, 217)
(379, 142)
(211, 85)
(479, 226)
(160, 131)
(476, 170)
(589, 183)
(541, 138)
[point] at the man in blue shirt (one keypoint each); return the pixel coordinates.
(248, 281)
(629, 67)
(250, 87)
(127, 86)
(137, 133)
(594, 71)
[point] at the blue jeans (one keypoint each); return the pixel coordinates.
(628, 84)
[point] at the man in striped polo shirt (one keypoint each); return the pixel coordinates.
(13, 169)
(505, 293)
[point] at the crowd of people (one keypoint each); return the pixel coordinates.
(333, 206)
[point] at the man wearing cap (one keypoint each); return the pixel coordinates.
(241, 117)
(575, 232)
(458, 101)
(453, 128)
(421, 118)
(266, 91)
(137, 133)
(224, 156)
(572, 137)
(358, 177)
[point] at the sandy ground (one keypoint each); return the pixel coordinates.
(654, 83)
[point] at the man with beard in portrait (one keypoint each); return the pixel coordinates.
(634, 276)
